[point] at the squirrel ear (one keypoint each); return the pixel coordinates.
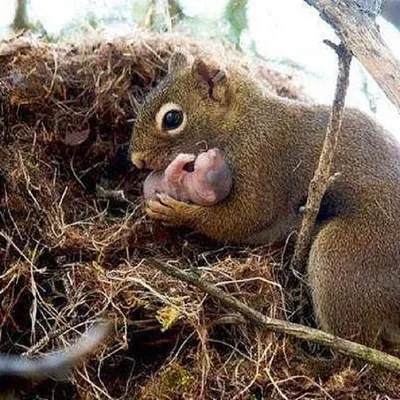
(178, 61)
(212, 77)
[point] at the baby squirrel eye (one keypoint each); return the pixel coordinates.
(171, 119)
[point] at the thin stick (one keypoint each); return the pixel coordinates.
(344, 346)
(322, 175)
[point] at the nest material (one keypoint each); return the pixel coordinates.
(74, 242)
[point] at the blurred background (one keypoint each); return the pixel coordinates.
(288, 33)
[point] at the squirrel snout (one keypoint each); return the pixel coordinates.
(137, 160)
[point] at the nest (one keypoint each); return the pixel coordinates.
(74, 242)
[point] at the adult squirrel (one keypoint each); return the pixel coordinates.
(272, 146)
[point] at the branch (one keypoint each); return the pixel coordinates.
(322, 176)
(344, 346)
(371, 7)
(359, 33)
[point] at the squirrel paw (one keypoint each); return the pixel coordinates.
(170, 211)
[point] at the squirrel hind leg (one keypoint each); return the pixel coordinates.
(391, 339)
(347, 298)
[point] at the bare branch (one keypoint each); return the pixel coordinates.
(322, 176)
(360, 34)
(372, 7)
(344, 346)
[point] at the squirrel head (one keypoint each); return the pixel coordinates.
(188, 112)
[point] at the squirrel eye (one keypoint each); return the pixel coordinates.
(171, 119)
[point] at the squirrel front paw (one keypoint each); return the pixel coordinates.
(172, 212)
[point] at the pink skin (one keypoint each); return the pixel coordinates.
(208, 184)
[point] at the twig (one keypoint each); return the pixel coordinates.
(322, 175)
(344, 346)
(360, 34)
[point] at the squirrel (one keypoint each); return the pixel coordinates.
(272, 146)
(204, 179)
(52, 365)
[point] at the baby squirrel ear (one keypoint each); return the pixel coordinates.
(212, 77)
(178, 61)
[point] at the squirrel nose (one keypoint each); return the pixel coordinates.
(137, 160)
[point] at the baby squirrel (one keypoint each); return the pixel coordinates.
(207, 182)
(272, 146)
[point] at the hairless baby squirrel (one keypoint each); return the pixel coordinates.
(272, 146)
(207, 182)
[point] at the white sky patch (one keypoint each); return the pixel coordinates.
(212, 8)
(290, 29)
(7, 9)
(54, 15)
(390, 34)
(291, 33)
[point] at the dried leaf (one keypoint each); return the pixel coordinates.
(76, 138)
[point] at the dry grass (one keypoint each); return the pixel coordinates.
(74, 241)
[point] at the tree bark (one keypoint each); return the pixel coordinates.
(372, 7)
(360, 34)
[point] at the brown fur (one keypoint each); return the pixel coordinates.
(272, 146)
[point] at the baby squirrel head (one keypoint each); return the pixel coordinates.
(188, 112)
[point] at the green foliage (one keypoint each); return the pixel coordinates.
(236, 16)
(156, 15)
(21, 22)
(20, 19)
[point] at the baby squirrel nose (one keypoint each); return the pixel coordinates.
(137, 160)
